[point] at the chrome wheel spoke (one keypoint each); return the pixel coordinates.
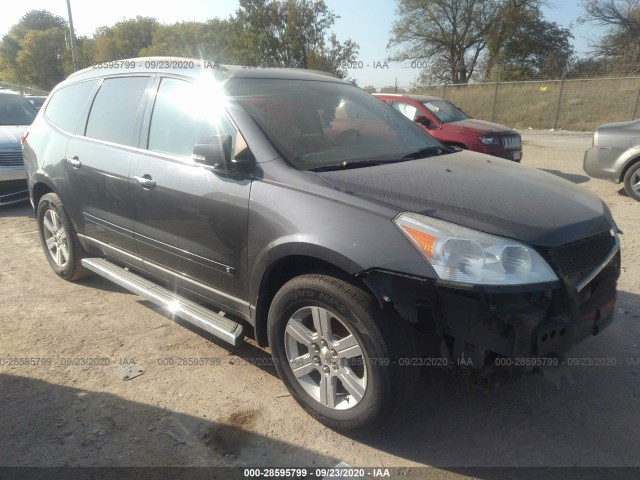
(636, 186)
(348, 347)
(301, 333)
(65, 253)
(321, 321)
(302, 365)
(328, 391)
(51, 242)
(352, 384)
(58, 257)
(47, 223)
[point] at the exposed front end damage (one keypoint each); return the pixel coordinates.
(488, 329)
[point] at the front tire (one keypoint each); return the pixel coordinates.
(338, 355)
(632, 181)
(59, 239)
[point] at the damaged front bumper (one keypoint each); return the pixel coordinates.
(478, 327)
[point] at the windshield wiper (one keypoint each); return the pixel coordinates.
(430, 151)
(356, 164)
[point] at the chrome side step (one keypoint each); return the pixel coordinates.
(188, 310)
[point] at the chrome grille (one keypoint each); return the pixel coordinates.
(511, 141)
(11, 158)
(576, 260)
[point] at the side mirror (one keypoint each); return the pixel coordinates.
(215, 153)
(423, 120)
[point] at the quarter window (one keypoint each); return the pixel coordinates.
(116, 109)
(68, 104)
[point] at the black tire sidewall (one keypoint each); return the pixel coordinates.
(627, 181)
(52, 202)
(376, 403)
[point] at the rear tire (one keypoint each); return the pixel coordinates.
(339, 355)
(59, 239)
(632, 181)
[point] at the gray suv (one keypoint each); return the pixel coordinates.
(296, 208)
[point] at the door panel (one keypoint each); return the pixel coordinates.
(100, 182)
(194, 223)
(99, 159)
(191, 221)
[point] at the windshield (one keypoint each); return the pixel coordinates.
(16, 110)
(317, 123)
(445, 111)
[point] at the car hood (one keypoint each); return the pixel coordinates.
(485, 193)
(480, 126)
(10, 136)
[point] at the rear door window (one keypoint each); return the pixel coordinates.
(116, 110)
(68, 104)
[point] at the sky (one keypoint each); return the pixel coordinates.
(367, 22)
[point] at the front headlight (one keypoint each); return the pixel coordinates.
(489, 140)
(463, 255)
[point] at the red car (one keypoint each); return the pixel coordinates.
(451, 126)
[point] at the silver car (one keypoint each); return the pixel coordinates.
(16, 114)
(615, 155)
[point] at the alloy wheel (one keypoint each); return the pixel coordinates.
(326, 358)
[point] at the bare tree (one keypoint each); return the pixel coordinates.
(622, 20)
(449, 36)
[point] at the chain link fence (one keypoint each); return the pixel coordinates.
(565, 104)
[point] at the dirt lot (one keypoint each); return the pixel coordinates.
(73, 409)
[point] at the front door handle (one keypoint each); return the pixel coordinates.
(75, 162)
(146, 181)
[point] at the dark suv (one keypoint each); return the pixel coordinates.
(296, 208)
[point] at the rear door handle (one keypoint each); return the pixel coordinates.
(75, 162)
(146, 181)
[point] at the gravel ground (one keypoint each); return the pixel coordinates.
(70, 407)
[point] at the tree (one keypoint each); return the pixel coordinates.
(449, 36)
(523, 45)
(288, 33)
(37, 41)
(622, 20)
(190, 39)
(370, 89)
(125, 39)
(43, 57)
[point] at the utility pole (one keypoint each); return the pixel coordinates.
(74, 53)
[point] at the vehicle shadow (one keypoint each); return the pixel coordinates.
(49, 425)
(247, 352)
(583, 413)
(21, 209)
(572, 177)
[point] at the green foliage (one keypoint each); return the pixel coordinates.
(448, 34)
(189, 39)
(34, 51)
(463, 39)
(268, 33)
(124, 40)
(523, 45)
(288, 33)
(43, 57)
